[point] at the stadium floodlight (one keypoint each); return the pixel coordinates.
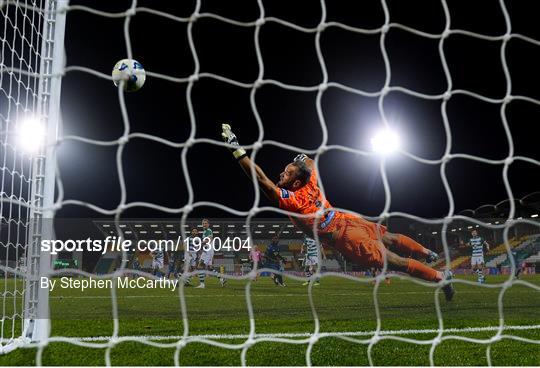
(30, 135)
(385, 142)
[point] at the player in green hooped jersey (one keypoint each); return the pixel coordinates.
(477, 244)
(310, 249)
(207, 252)
(207, 256)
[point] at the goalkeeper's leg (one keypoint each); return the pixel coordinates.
(359, 247)
(407, 245)
(412, 267)
(359, 242)
(420, 270)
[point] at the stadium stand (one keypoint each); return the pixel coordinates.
(456, 263)
(523, 251)
(228, 262)
(523, 247)
(535, 258)
(104, 266)
(331, 265)
(527, 248)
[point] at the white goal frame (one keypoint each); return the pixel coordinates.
(36, 322)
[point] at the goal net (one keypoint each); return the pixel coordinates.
(32, 67)
(29, 98)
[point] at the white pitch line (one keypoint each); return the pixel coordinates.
(175, 295)
(309, 334)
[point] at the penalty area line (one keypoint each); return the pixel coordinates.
(309, 334)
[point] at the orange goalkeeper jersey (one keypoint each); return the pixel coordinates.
(353, 236)
(306, 200)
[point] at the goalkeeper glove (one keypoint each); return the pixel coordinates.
(229, 137)
(301, 157)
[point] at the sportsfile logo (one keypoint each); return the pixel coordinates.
(114, 244)
(109, 244)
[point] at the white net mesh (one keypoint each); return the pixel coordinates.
(20, 45)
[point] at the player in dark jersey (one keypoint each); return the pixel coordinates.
(171, 268)
(135, 265)
(274, 260)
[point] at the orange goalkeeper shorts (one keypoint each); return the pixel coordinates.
(358, 240)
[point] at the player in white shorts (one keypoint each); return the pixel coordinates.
(311, 258)
(190, 256)
(477, 261)
(477, 243)
(207, 255)
(206, 258)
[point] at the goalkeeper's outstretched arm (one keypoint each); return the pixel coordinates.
(267, 186)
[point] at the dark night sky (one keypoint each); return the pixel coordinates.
(153, 171)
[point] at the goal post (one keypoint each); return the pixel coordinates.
(47, 43)
(37, 324)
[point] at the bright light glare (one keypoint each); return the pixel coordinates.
(385, 141)
(535, 215)
(30, 134)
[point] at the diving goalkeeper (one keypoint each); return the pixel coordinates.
(359, 240)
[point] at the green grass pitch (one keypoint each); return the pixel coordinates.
(342, 306)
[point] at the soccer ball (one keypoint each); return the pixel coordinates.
(132, 72)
